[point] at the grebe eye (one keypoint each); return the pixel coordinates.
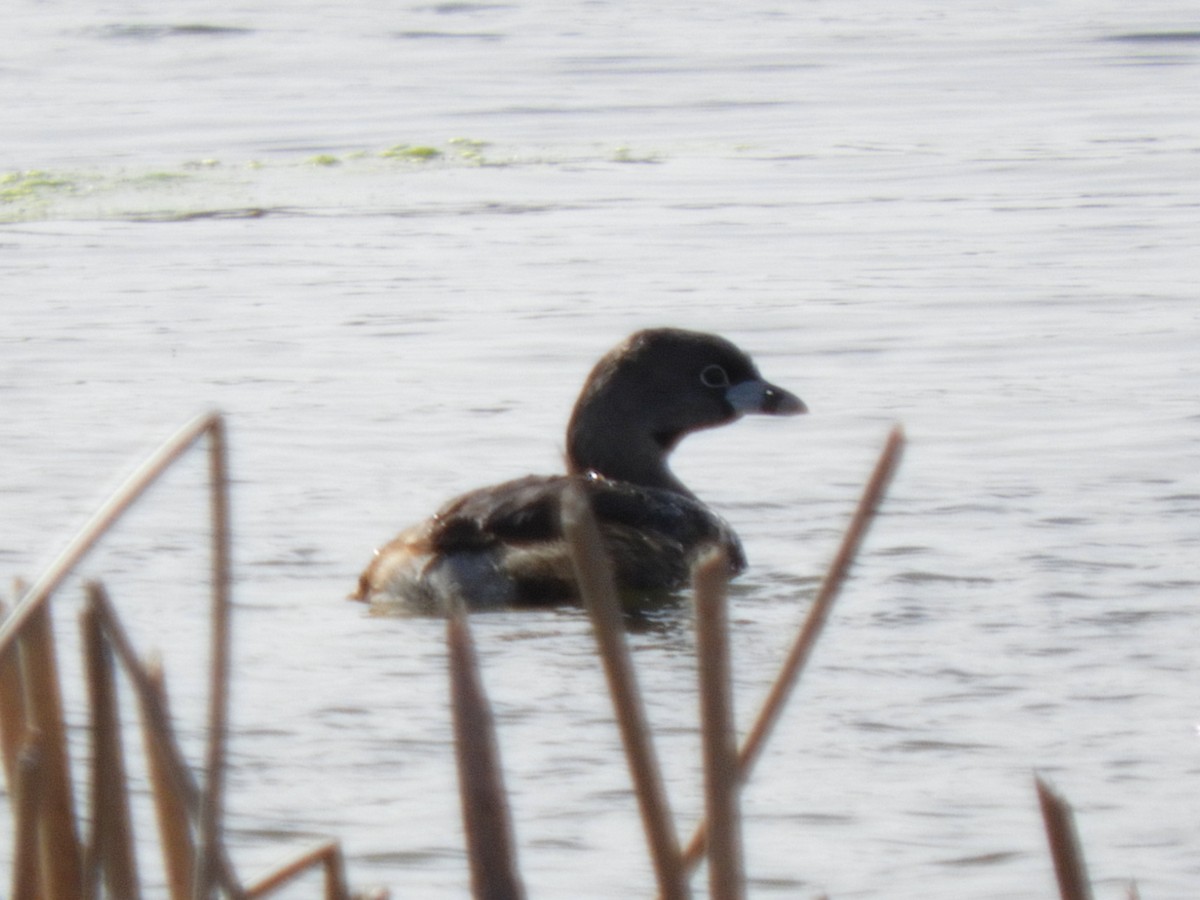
(714, 377)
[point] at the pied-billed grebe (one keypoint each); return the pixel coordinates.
(502, 545)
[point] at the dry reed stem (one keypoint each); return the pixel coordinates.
(170, 803)
(26, 788)
(593, 573)
(1069, 866)
(327, 855)
(486, 817)
(58, 839)
(798, 656)
(13, 729)
(209, 838)
(336, 883)
(112, 846)
(726, 878)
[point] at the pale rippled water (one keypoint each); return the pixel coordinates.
(980, 221)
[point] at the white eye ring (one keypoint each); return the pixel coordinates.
(714, 377)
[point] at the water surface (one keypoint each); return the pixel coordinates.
(977, 221)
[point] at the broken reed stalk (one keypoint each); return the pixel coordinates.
(593, 574)
(175, 780)
(726, 878)
(486, 817)
(170, 803)
(60, 862)
(798, 656)
(104, 518)
(327, 855)
(209, 839)
(13, 728)
(27, 791)
(1069, 866)
(157, 720)
(111, 849)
